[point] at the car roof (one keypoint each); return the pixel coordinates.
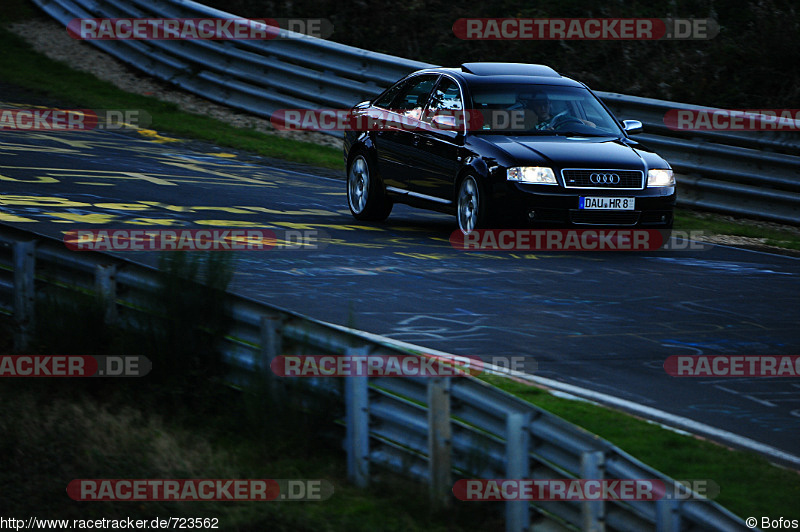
(508, 69)
(488, 73)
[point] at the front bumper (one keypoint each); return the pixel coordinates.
(558, 206)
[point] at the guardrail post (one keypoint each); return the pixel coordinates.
(271, 347)
(24, 292)
(518, 517)
(105, 284)
(439, 440)
(271, 340)
(668, 517)
(356, 397)
(593, 513)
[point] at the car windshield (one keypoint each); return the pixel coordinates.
(530, 109)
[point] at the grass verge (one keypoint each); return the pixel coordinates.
(54, 432)
(715, 224)
(749, 484)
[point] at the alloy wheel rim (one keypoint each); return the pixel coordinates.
(358, 185)
(468, 205)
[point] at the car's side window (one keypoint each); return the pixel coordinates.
(412, 100)
(445, 100)
(389, 96)
(446, 97)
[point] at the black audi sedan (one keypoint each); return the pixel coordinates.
(503, 143)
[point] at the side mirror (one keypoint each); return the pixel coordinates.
(632, 127)
(447, 122)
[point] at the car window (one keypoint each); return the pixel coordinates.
(592, 113)
(412, 99)
(541, 109)
(446, 97)
(386, 99)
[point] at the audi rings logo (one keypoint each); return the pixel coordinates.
(604, 179)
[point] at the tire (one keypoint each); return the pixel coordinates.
(365, 194)
(471, 204)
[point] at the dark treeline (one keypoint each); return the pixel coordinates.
(752, 63)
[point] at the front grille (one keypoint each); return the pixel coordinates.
(581, 178)
(580, 216)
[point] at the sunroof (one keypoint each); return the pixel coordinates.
(509, 69)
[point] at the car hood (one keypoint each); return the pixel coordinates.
(566, 152)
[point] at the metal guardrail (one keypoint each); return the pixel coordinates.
(754, 174)
(748, 174)
(727, 172)
(429, 429)
(293, 71)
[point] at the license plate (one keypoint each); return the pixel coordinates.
(616, 204)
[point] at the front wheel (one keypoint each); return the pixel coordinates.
(365, 194)
(472, 206)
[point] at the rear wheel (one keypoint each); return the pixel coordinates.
(365, 194)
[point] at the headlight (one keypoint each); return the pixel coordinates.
(539, 175)
(660, 178)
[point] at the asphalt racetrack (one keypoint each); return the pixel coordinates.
(605, 321)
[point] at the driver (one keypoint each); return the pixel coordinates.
(541, 106)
